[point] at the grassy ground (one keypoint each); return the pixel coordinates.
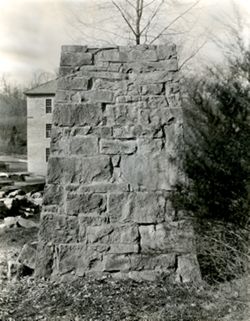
(107, 299)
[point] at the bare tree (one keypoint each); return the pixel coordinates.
(132, 14)
(139, 22)
(39, 77)
(131, 21)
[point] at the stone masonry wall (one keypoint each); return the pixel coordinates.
(116, 124)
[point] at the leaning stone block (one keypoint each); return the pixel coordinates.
(113, 147)
(27, 256)
(188, 269)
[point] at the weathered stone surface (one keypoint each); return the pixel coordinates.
(58, 228)
(44, 259)
(161, 262)
(117, 125)
(150, 146)
(76, 58)
(151, 89)
(59, 145)
(124, 248)
(111, 234)
(188, 269)
(85, 221)
(110, 55)
(140, 207)
(73, 48)
(121, 115)
(27, 256)
(88, 170)
(77, 114)
(161, 173)
(166, 237)
(116, 160)
(84, 146)
(77, 258)
(156, 77)
(142, 54)
(116, 263)
(55, 170)
(26, 223)
(101, 96)
(73, 83)
(53, 194)
(113, 147)
(86, 203)
(166, 51)
(104, 188)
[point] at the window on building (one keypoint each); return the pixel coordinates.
(47, 154)
(48, 105)
(48, 130)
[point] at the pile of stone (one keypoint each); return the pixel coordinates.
(17, 203)
(20, 210)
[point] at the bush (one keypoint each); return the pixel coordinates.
(216, 161)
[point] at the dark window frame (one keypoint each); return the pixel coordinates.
(48, 105)
(48, 130)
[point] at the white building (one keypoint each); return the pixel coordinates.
(40, 102)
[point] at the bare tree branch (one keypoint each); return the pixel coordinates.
(152, 17)
(124, 17)
(149, 4)
(131, 4)
(173, 21)
(194, 53)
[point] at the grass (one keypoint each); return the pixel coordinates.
(107, 299)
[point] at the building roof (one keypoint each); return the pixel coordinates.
(48, 88)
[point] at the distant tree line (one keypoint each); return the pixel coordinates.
(13, 119)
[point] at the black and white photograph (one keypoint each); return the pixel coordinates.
(124, 160)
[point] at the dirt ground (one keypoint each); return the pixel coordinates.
(108, 299)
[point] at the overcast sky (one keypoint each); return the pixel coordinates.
(32, 32)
